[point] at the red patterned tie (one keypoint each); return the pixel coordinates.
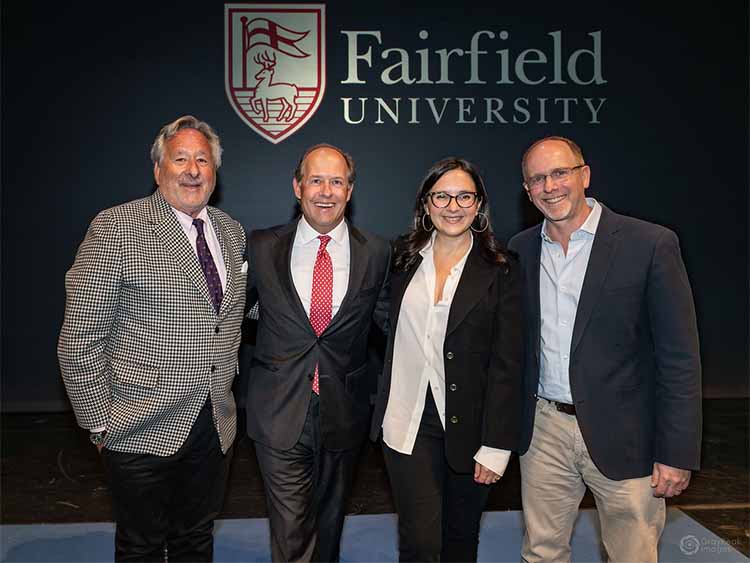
(321, 299)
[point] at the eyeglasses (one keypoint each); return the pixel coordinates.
(443, 199)
(558, 175)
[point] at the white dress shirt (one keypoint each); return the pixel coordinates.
(304, 254)
(418, 359)
(560, 282)
(186, 222)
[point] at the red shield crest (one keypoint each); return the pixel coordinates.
(275, 73)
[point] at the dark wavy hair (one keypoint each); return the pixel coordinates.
(407, 246)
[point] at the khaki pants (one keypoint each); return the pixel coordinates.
(554, 475)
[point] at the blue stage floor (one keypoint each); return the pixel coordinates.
(367, 538)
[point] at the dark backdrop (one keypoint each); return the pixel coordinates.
(86, 86)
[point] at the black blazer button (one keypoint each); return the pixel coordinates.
(310, 376)
(449, 355)
(452, 387)
(213, 369)
(216, 330)
(454, 419)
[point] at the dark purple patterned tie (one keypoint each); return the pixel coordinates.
(208, 266)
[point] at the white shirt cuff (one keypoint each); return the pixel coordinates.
(99, 429)
(493, 458)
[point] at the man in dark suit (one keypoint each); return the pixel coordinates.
(148, 349)
(612, 385)
(319, 282)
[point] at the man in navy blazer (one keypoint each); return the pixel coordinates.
(612, 376)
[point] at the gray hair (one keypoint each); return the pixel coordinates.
(186, 122)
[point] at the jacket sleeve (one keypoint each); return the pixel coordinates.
(92, 287)
(677, 352)
(501, 423)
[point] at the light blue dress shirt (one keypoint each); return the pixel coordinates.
(560, 282)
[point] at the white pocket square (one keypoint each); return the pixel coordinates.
(244, 267)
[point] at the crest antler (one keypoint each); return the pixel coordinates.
(268, 61)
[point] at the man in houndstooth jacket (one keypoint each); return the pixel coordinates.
(148, 349)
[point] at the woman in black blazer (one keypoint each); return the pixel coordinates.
(448, 398)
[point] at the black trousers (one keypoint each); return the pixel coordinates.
(168, 504)
(306, 490)
(438, 509)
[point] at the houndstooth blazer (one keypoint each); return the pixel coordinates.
(141, 346)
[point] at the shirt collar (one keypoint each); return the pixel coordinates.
(427, 251)
(589, 225)
(306, 234)
(186, 221)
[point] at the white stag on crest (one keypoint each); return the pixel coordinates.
(267, 90)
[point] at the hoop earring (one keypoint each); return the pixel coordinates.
(427, 216)
(486, 222)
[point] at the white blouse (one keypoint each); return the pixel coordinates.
(418, 359)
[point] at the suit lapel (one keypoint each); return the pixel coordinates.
(475, 279)
(229, 262)
(603, 252)
(168, 230)
(533, 267)
(283, 265)
(399, 282)
(358, 258)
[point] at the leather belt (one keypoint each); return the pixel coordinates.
(562, 407)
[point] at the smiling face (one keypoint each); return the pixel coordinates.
(563, 203)
(453, 220)
(186, 174)
(324, 189)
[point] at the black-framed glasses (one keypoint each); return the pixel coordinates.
(443, 199)
(557, 175)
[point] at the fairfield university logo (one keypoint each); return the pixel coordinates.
(275, 65)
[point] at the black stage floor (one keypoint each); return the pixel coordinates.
(51, 474)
